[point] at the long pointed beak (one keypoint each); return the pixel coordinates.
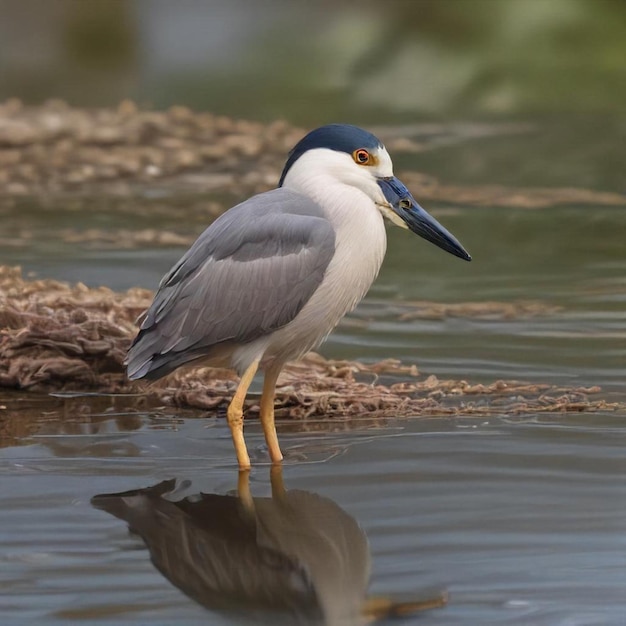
(417, 219)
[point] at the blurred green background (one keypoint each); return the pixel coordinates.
(313, 61)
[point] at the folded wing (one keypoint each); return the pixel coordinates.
(247, 275)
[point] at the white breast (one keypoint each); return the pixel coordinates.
(360, 247)
(346, 193)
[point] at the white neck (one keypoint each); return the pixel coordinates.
(347, 197)
(336, 183)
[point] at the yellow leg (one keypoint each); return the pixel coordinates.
(267, 413)
(235, 415)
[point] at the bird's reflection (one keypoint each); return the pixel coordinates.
(297, 556)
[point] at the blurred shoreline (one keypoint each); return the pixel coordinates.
(55, 149)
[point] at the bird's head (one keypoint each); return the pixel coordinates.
(355, 157)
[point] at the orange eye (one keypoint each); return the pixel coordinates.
(361, 156)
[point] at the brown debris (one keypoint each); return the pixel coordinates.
(57, 337)
(479, 310)
(124, 238)
(52, 334)
(430, 188)
(58, 149)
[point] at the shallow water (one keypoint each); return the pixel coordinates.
(520, 520)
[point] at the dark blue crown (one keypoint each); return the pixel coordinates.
(339, 137)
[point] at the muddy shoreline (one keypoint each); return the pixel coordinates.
(56, 149)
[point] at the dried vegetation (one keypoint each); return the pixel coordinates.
(56, 149)
(56, 337)
(60, 337)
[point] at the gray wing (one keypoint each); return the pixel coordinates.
(247, 275)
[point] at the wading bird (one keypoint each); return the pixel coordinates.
(271, 277)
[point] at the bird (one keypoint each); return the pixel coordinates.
(271, 277)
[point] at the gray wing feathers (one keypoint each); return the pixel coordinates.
(247, 275)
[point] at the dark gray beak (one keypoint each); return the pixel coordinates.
(420, 222)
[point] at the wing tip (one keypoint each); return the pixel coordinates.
(152, 368)
(135, 372)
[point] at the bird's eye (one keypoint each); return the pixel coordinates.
(361, 156)
(405, 203)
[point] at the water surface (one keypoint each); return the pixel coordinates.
(520, 520)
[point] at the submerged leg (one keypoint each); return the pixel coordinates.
(267, 413)
(235, 415)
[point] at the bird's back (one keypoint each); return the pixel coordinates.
(247, 275)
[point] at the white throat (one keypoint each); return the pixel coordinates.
(348, 198)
